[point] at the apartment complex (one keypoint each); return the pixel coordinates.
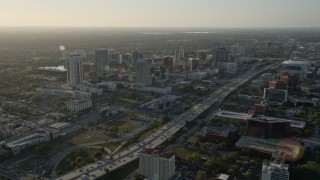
(156, 165)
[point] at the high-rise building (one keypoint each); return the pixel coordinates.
(168, 61)
(74, 69)
(223, 55)
(143, 75)
(156, 165)
(202, 55)
(136, 54)
(276, 169)
(101, 61)
(193, 64)
(179, 55)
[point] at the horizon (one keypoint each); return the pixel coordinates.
(157, 14)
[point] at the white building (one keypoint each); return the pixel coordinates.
(143, 75)
(179, 55)
(78, 105)
(74, 69)
(275, 170)
(64, 93)
(232, 68)
(156, 165)
(17, 145)
(296, 68)
(197, 76)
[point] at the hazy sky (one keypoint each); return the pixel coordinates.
(161, 13)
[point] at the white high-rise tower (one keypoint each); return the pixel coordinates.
(74, 69)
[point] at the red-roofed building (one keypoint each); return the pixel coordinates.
(155, 164)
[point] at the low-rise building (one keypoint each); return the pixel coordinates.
(16, 145)
(64, 93)
(61, 129)
(272, 95)
(78, 105)
(156, 165)
(218, 134)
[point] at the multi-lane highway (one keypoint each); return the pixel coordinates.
(97, 169)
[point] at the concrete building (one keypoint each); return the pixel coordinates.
(223, 55)
(272, 95)
(218, 134)
(156, 165)
(267, 127)
(17, 145)
(278, 84)
(197, 76)
(136, 55)
(179, 55)
(168, 62)
(232, 68)
(296, 68)
(276, 169)
(193, 64)
(64, 93)
(268, 77)
(143, 76)
(78, 105)
(102, 60)
(74, 69)
(202, 55)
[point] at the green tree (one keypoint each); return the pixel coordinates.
(201, 175)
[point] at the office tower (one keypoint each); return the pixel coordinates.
(223, 55)
(111, 56)
(143, 76)
(101, 61)
(89, 72)
(168, 61)
(193, 64)
(136, 54)
(179, 55)
(156, 165)
(74, 69)
(202, 55)
(276, 169)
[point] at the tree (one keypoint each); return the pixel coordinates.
(201, 175)
(42, 148)
(247, 174)
(194, 158)
(164, 119)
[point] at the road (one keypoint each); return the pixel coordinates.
(97, 169)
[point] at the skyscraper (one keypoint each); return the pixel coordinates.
(143, 76)
(136, 54)
(74, 69)
(223, 55)
(179, 55)
(276, 169)
(156, 164)
(101, 60)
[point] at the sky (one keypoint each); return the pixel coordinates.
(160, 13)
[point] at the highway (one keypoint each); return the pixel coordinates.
(97, 169)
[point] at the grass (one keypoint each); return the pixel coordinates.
(183, 153)
(89, 137)
(123, 127)
(112, 146)
(79, 158)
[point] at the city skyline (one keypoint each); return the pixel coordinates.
(152, 13)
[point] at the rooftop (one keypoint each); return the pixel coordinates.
(157, 153)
